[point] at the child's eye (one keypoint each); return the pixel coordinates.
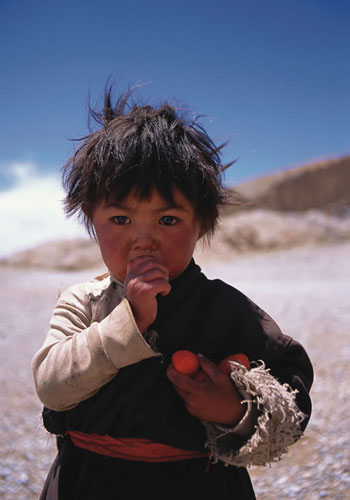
(168, 220)
(121, 220)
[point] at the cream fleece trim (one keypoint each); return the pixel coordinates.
(247, 423)
(277, 426)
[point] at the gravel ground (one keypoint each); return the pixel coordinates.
(306, 290)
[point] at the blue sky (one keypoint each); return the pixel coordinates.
(271, 77)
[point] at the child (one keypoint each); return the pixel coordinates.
(148, 186)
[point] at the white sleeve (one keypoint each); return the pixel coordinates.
(78, 357)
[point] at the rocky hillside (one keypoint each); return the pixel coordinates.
(67, 255)
(245, 232)
(324, 185)
(262, 230)
(305, 205)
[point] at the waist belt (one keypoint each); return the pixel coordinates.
(139, 449)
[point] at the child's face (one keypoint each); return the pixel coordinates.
(133, 227)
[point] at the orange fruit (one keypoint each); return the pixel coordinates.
(185, 362)
(225, 366)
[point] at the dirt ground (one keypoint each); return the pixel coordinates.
(306, 290)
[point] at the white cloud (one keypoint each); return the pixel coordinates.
(18, 172)
(31, 211)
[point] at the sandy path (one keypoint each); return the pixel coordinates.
(305, 290)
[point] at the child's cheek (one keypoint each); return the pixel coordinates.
(183, 241)
(113, 251)
(179, 250)
(105, 237)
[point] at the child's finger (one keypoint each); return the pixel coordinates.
(141, 265)
(183, 394)
(161, 286)
(150, 272)
(210, 368)
(165, 291)
(180, 381)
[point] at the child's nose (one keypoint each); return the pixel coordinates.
(144, 240)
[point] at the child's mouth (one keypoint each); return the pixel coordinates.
(143, 255)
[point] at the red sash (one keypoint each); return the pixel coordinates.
(139, 449)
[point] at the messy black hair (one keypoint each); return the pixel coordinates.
(141, 148)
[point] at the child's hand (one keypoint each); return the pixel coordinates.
(146, 277)
(215, 400)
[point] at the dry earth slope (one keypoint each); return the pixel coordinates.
(305, 205)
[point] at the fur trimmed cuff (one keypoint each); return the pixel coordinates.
(277, 424)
